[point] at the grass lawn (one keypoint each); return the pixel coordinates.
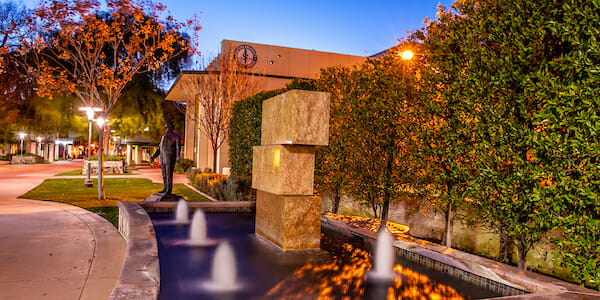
(78, 172)
(72, 191)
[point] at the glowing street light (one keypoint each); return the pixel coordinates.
(90, 115)
(22, 136)
(101, 121)
(407, 55)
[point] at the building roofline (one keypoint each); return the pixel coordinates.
(196, 72)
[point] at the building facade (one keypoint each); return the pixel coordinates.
(271, 67)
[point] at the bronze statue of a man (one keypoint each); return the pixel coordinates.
(168, 149)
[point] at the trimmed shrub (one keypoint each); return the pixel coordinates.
(222, 187)
(205, 181)
(183, 165)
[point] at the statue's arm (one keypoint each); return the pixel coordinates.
(155, 155)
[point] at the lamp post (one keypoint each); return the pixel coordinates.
(90, 115)
(22, 136)
(100, 121)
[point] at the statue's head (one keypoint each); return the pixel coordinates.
(169, 125)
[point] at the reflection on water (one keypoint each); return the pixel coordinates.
(269, 273)
(345, 277)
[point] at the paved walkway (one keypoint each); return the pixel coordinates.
(50, 250)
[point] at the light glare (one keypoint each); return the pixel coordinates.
(407, 54)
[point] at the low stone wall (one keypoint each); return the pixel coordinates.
(16, 159)
(241, 207)
(140, 276)
(507, 280)
(110, 167)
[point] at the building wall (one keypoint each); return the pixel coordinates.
(291, 62)
(190, 131)
(279, 65)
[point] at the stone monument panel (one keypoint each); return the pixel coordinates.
(296, 117)
(283, 170)
(290, 222)
(294, 124)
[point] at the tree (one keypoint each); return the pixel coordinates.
(139, 110)
(15, 90)
(513, 66)
(333, 161)
(214, 91)
(94, 54)
(567, 125)
(381, 122)
(12, 17)
(447, 141)
(485, 46)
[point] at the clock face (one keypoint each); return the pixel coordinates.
(245, 56)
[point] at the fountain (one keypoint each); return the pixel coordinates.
(288, 217)
(383, 261)
(181, 212)
(224, 271)
(198, 232)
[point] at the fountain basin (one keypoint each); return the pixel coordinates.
(135, 279)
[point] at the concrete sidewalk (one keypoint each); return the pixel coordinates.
(50, 250)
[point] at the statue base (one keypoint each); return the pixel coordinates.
(162, 198)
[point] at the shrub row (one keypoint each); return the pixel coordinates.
(221, 187)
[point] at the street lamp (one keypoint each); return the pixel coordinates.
(407, 55)
(101, 121)
(22, 136)
(90, 114)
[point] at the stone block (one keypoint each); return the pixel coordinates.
(289, 222)
(296, 117)
(109, 167)
(26, 159)
(284, 170)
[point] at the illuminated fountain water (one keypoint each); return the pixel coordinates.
(198, 231)
(383, 260)
(224, 271)
(181, 212)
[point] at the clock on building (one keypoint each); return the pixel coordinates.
(245, 56)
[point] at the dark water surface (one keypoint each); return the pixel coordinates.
(265, 272)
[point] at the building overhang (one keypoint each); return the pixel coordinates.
(177, 91)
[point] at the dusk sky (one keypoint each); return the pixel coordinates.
(355, 27)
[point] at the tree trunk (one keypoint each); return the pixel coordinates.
(336, 202)
(215, 150)
(387, 195)
(506, 247)
(450, 215)
(100, 163)
(522, 253)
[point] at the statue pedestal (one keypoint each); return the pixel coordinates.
(162, 198)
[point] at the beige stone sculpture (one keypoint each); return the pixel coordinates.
(293, 125)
